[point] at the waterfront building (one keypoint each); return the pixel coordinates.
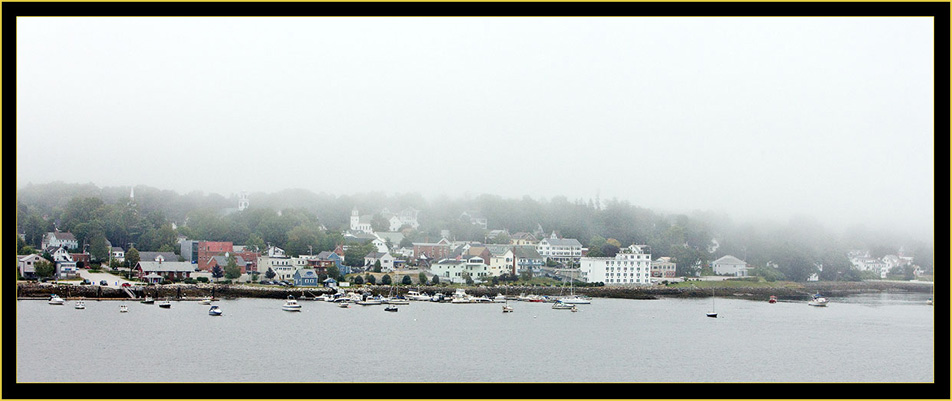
(432, 251)
(306, 278)
(208, 249)
(27, 265)
(386, 260)
(523, 238)
(456, 270)
(663, 267)
(155, 272)
(630, 266)
(729, 265)
(278, 261)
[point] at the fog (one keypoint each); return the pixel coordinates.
(753, 117)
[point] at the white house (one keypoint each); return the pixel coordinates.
(27, 265)
(65, 265)
(118, 254)
(57, 239)
(455, 270)
(386, 260)
(630, 266)
(501, 259)
(730, 265)
(663, 267)
(278, 261)
(561, 250)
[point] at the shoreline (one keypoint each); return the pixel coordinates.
(190, 292)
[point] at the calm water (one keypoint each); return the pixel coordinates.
(875, 338)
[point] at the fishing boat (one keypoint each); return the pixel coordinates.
(818, 300)
(165, 304)
(712, 313)
(56, 300)
(291, 305)
(123, 308)
(773, 299)
(80, 304)
(214, 311)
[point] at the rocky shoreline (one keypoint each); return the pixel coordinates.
(796, 291)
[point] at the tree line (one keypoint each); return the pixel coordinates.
(303, 222)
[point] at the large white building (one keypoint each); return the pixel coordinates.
(729, 265)
(630, 266)
(453, 270)
(278, 261)
(561, 250)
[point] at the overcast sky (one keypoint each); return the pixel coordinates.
(756, 117)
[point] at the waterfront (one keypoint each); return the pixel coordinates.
(867, 338)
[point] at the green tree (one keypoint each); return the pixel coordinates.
(132, 257)
(44, 268)
(98, 247)
(435, 280)
(358, 280)
(217, 272)
(371, 279)
(406, 280)
(270, 274)
(386, 280)
(232, 271)
(421, 278)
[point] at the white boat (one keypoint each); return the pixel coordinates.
(417, 296)
(398, 301)
(123, 308)
(576, 300)
(80, 304)
(482, 300)
(206, 301)
(390, 308)
(506, 308)
(461, 297)
(818, 300)
(148, 300)
(344, 304)
(165, 304)
(499, 298)
(56, 300)
(565, 306)
(214, 311)
(291, 305)
(370, 301)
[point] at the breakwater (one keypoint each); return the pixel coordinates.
(683, 290)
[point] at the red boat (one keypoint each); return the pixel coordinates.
(773, 299)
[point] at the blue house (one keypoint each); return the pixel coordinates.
(306, 278)
(338, 261)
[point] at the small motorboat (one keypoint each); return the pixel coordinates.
(123, 308)
(56, 300)
(291, 305)
(506, 308)
(343, 304)
(773, 299)
(80, 304)
(214, 311)
(148, 300)
(818, 300)
(390, 308)
(165, 304)
(398, 301)
(206, 301)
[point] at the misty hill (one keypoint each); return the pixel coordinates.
(297, 218)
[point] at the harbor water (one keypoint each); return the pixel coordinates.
(879, 338)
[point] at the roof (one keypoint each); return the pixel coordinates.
(151, 266)
(563, 242)
(150, 256)
(528, 252)
(729, 260)
(326, 255)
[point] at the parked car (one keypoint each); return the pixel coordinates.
(103, 282)
(85, 282)
(126, 285)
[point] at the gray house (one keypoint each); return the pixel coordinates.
(306, 278)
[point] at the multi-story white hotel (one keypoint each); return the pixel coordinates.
(630, 266)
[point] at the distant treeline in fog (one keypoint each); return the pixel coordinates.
(302, 221)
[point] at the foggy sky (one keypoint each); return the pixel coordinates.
(756, 117)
